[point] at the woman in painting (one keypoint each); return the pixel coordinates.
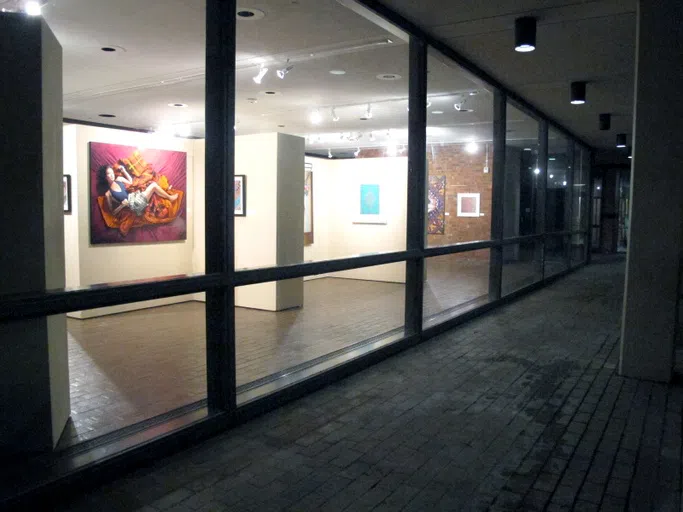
(119, 198)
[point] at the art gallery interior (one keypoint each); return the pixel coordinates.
(325, 255)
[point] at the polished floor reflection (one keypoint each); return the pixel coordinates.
(130, 367)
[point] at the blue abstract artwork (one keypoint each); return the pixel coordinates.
(369, 199)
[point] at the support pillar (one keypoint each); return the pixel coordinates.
(34, 367)
(656, 230)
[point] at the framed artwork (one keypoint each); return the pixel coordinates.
(66, 182)
(240, 195)
(136, 195)
(436, 205)
(468, 205)
(308, 206)
(369, 206)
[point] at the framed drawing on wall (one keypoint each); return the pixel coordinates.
(468, 205)
(137, 195)
(66, 182)
(308, 205)
(369, 206)
(240, 195)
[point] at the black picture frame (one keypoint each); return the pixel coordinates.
(66, 181)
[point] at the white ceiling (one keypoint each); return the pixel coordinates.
(161, 52)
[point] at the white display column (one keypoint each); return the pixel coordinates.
(271, 232)
(34, 369)
(656, 230)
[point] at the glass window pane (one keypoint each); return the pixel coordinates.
(459, 154)
(454, 284)
(321, 136)
(555, 254)
(578, 249)
(135, 182)
(315, 323)
(132, 362)
(522, 265)
(558, 191)
(523, 175)
(596, 213)
(580, 189)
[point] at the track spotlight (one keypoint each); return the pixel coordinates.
(335, 117)
(578, 93)
(356, 153)
(262, 72)
(281, 73)
(316, 118)
(621, 140)
(368, 112)
(329, 153)
(33, 8)
(372, 137)
(429, 103)
(630, 153)
(605, 121)
(525, 34)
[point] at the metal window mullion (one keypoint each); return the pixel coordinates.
(220, 144)
(417, 183)
(569, 206)
(589, 234)
(542, 192)
(497, 192)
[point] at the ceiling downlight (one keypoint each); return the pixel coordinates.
(248, 14)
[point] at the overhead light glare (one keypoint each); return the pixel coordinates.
(537, 171)
(527, 149)
(564, 183)
(578, 93)
(281, 73)
(630, 153)
(551, 176)
(368, 112)
(316, 118)
(337, 72)
(392, 149)
(329, 153)
(437, 112)
(472, 147)
(335, 117)
(33, 8)
(262, 72)
(525, 34)
(356, 153)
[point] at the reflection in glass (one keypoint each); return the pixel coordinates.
(555, 254)
(559, 182)
(522, 265)
(454, 284)
(286, 327)
(523, 176)
(459, 155)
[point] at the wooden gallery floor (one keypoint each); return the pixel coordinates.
(130, 367)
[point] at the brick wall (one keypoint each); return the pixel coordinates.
(464, 174)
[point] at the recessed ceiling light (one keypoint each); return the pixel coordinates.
(248, 14)
(281, 126)
(270, 93)
(108, 49)
(252, 100)
(437, 112)
(33, 8)
(527, 149)
(337, 72)
(389, 76)
(473, 93)
(107, 115)
(177, 105)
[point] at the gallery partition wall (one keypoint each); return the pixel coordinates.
(349, 187)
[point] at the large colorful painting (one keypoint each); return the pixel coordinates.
(240, 192)
(308, 206)
(436, 210)
(136, 195)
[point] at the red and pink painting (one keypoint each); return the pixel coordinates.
(137, 195)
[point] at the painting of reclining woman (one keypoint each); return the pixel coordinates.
(136, 196)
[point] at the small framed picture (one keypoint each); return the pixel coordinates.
(66, 181)
(468, 205)
(240, 195)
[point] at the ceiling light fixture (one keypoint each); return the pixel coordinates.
(316, 118)
(605, 121)
(337, 72)
(33, 8)
(248, 14)
(621, 140)
(437, 112)
(356, 153)
(471, 147)
(578, 93)
(281, 73)
(262, 72)
(630, 153)
(106, 115)
(178, 105)
(564, 183)
(527, 149)
(372, 137)
(537, 171)
(525, 34)
(335, 117)
(368, 112)
(329, 153)
(429, 103)
(551, 176)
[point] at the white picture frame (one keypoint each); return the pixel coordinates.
(469, 204)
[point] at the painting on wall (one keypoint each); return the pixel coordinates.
(468, 205)
(369, 209)
(240, 195)
(136, 195)
(436, 209)
(66, 183)
(308, 205)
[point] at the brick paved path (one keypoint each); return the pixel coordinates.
(519, 410)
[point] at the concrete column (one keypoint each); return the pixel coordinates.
(656, 230)
(34, 369)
